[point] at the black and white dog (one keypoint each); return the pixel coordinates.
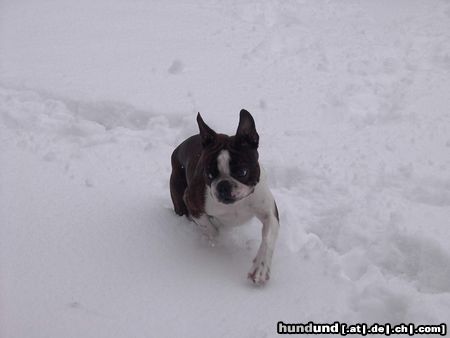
(217, 181)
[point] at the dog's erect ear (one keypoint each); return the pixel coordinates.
(208, 135)
(246, 132)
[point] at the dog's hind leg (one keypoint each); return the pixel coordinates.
(178, 186)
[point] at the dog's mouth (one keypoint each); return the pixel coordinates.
(227, 200)
(231, 198)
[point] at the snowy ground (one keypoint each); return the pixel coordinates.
(351, 99)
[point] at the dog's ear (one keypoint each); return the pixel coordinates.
(246, 132)
(207, 134)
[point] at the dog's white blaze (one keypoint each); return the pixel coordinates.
(223, 162)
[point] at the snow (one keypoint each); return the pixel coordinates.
(351, 103)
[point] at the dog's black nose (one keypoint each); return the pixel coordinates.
(224, 191)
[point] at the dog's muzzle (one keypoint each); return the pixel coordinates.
(224, 189)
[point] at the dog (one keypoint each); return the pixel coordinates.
(217, 181)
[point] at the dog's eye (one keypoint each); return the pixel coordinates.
(241, 172)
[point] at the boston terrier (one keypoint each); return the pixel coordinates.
(217, 181)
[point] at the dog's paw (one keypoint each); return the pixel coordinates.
(260, 272)
(181, 210)
(210, 232)
(212, 241)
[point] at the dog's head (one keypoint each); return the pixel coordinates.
(230, 163)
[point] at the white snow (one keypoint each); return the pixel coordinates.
(351, 101)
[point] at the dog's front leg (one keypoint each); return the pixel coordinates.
(207, 228)
(260, 271)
